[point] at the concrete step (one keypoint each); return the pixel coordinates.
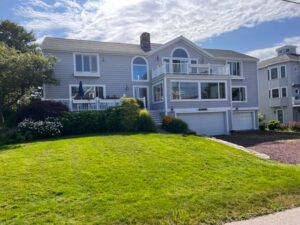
(155, 115)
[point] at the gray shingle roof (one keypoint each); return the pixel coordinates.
(278, 59)
(63, 44)
(219, 53)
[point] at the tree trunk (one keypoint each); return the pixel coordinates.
(1, 117)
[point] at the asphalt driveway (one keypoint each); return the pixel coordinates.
(280, 146)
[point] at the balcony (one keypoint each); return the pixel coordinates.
(296, 101)
(191, 69)
(97, 104)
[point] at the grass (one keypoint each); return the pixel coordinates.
(139, 179)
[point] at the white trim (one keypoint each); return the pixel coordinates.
(284, 70)
(272, 93)
(152, 86)
(86, 85)
(188, 42)
(236, 77)
(142, 86)
(196, 110)
(180, 47)
(286, 91)
(246, 93)
(165, 94)
(199, 91)
(278, 72)
(85, 74)
(147, 64)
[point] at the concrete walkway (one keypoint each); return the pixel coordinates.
(288, 217)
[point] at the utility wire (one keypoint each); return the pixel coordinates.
(290, 1)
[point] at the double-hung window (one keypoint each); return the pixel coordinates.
(213, 90)
(86, 64)
(185, 90)
(158, 94)
(282, 72)
(235, 68)
(283, 92)
(238, 94)
(275, 93)
(274, 73)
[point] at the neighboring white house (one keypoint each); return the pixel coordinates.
(213, 90)
(279, 85)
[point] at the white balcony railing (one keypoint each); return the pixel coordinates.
(191, 69)
(78, 105)
(296, 101)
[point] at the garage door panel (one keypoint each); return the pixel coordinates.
(242, 121)
(205, 123)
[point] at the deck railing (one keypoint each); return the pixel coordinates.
(191, 69)
(79, 105)
(296, 101)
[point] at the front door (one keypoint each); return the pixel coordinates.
(280, 115)
(141, 92)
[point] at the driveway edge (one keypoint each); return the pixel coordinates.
(257, 154)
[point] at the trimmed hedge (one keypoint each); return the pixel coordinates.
(146, 123)
(272, 124)
(174, 125)
(40, 110)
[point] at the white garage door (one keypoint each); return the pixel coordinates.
(242, 121)
(205, 123)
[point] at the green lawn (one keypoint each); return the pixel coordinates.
(139, 179)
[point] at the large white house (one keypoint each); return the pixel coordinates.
(213, 90)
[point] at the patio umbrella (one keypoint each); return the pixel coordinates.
(80, 93)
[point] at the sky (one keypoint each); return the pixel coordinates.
(254, 27)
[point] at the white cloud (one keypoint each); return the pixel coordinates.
(270, 52)
(124, 21)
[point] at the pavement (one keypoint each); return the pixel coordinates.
(288, 217)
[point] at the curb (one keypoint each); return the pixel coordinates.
(257, 154)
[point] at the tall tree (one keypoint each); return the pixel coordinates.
(21, 67)
(15, 36)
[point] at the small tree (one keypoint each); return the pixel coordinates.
(22, 68)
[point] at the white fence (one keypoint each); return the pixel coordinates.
(78, 105)
(191, 69)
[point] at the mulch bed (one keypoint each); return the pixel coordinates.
(280, 146)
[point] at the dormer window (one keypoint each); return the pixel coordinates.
(139, 69)
(86, 64)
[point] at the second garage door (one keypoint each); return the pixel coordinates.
(210, 124)
(242, 121)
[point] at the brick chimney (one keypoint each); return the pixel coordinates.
(145, 42)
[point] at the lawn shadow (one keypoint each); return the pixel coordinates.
(253, 138)
(9, 147)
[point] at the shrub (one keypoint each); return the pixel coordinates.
(129, 102)
(140, 103)
(10, 116)
(10, 136)
(83, 122)
(174, 125)
(40, 129)
(40, 110)
(260, 117)
(294, 125)
(272, 124)
(146, 123)
(282, 126)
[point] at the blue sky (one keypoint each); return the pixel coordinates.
(255, 27)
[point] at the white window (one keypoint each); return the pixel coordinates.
(185, 90)
(213, 90)
(158, 93)
(282, 72)
(235, 68)
(239, 94)
(274, 73)
(90, 92)
(139, 69)
(86, 64)
(275, 93)
(283, 92)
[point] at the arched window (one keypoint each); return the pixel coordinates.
(139, 69)
(180, 53)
